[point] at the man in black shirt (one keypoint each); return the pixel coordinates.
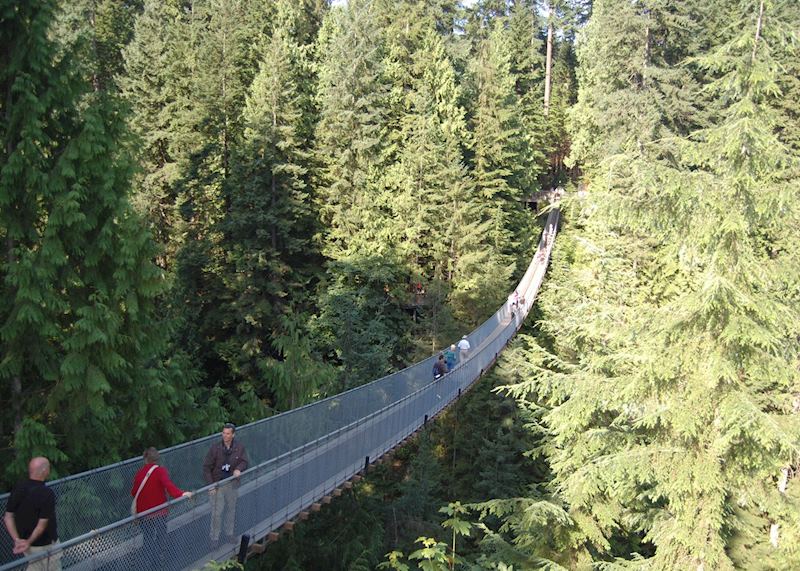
(30, 517)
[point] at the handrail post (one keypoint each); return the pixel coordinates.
(242, 556)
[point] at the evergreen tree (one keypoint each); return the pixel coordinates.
(269, 224)
(351, 133)
(484, 14)
(526, 66)
(360, 322)
(631, 88)
(218, 45)
(360, 319)
(564, 92)
(789, 81)
(421, 487)
(114, 27)
(83, 362)
(436, 224)
(669, 399)
(430, 185)
(106, 26)
(154, 84)
(498, 147)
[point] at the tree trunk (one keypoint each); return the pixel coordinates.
(16, 381)
(548, 64)
(273, 186)
(96, 64)
(783, 481)
(758, 30)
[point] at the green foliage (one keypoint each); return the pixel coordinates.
(32, 439)
(84, 353)
(217, 51)
(350, 133)
(360, 319)
(296, 377)
(156, 88)
(223, 566)
(226, 121)
(458, 526)
(789, 85)
(432, 556)
(421, 486)
(501, 169)
(266, 230)
(668, 398)
(105, 28)
(434, 220)
(360, 324)
(394, 561)
(631, 88)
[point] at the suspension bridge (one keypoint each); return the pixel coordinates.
(298, 459)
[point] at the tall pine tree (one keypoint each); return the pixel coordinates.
(268, 226)
(361, 319)
(669, 400)
(83, 364)
(500, 169)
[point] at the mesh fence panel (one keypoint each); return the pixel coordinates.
(297, 458)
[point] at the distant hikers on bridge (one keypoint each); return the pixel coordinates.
(450, 357)
(547, 238)
(513, 302)
(463, 349)
(439, 367)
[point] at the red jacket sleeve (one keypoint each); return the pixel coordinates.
(171, 488)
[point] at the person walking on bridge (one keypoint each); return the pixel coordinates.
(226, 459)
(513, 302)
(30, 517)
(439, 367)
(450, 357)
(151, 484)
(463, 349)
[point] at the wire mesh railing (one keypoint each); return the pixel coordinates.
(297, 457)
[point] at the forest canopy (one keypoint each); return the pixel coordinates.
(219, 210)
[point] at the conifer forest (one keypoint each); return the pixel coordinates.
(221, 210)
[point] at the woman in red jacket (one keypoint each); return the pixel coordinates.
(151, 484)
